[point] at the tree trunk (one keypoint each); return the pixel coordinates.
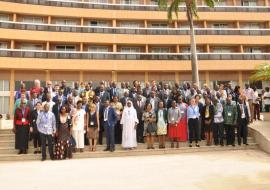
(193, 50)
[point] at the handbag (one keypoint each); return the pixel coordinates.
(151, 128)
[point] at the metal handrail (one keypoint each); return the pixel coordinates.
(96, 5)
(131, 30)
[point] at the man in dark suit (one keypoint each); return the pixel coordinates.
(125, 99)
(114, 91)
(103, 95)
(47, 89)
(153, 100)
(60, 96)
(242, 121)
(109, 120)
(56, 109)
(167, 101)
(66, 90)
(147, 90)
(139, 105)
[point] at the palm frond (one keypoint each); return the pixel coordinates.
(163, 4)
(173, 8)
(210, 3)
(194, 9)
(262, 73)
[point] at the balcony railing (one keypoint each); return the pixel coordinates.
(126, 30)
(129, 56)
(139, 7)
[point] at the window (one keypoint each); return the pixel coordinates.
(65, 48)
(161, 50)
(130, 49)
(98, 1)
(98, 49)
(249, 3)
(187, 50)
(252, 26)
(222, 50)
(130, 24)
(37, 20)
(221, 3)
(97, 23)
(4, 96)
(65, 22)
(130, 2)
(220, 25)
(253, 50)
(31, 46)
(159, 25)
(4, 17)
(3, 45)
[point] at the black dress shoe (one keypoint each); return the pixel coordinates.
(233, 145)
(43, 159)
(106, 149)
(190, 145)
(246, 144)
(25, 152)
(112, 150)
(20, 152)
(35, 152)
(197, 145)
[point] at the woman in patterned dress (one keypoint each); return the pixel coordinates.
(162, 121)
(149, 118)
(63, 148)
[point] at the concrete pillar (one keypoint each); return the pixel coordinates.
(207, 78)
(82, 21)
(176, 77)
(207, 48)
(47, 75)
(266, 3)
(12, 89)
(240, 79)
(146, 79)
(47, 46)
(49, 19)
(237, 24)
(204, 24)
(177, 48)
(234, 3)
(175, 24)
(146, 48)
(81, 46)
(14, 17)
(114, 76)
(12, 44)
(145, 24)
(81, 76)
(241, 49)
(114, 23)
(114, 48)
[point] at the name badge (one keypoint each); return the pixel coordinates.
(172, 118)
(46, 126)
(23, 120)
(194, 117)
(91, 123)
(229, 114)
(182, 112)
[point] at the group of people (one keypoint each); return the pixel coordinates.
(66, 119)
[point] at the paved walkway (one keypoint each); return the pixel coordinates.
(225, 170)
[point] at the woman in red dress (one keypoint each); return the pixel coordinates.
(182, 124)
(173, 120)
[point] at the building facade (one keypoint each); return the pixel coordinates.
(93, 40)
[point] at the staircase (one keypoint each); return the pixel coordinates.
(8, 153)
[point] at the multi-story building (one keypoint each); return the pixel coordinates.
(83, 40)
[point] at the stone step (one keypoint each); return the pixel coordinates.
(10, 142)
(6, 131)
(11, 150)
(7, 137)
(136, 152)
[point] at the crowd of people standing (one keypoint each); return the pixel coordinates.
(66, 119)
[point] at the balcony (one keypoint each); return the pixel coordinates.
(128, 56)
(126, 30)
(138, 7)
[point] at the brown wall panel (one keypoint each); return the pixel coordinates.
(61, 75)
(130, 76)
(4, 75)
(29, 75)
(161, 76)
(97, 76)
(223, 76)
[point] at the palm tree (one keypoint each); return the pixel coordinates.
(262, 73)
(191, 11)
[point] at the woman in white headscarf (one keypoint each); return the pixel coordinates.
(129, 123)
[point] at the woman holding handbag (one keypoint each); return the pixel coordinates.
(150, 128)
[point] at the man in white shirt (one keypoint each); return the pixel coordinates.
(266, 98)
(249, 93)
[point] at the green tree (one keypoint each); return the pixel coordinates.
(191, 11)
(262, 73)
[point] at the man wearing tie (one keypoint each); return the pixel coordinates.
(114, 91)
(104, 96)
(139, 105)
(242, 121)
(109, 120)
